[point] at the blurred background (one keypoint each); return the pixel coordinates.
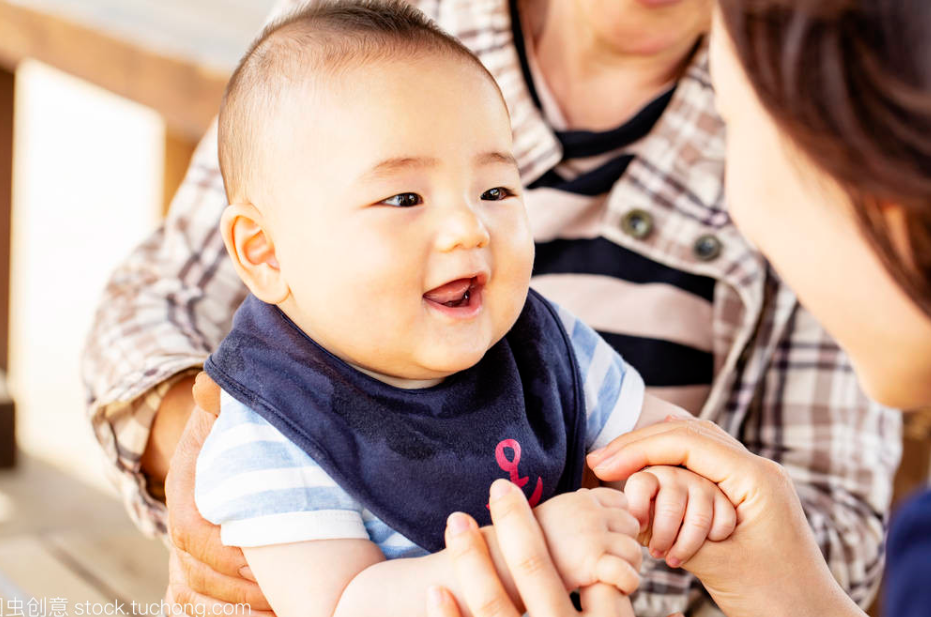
(101, 105)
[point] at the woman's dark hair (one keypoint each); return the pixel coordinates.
(849, 82)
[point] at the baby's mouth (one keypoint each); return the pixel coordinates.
(453, 294)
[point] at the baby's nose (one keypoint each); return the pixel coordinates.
(462, 228)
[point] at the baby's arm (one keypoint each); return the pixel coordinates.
(657, 410)
(589, 535)
(346, 578)
(615, 401)
(321, 578)
(308, 578)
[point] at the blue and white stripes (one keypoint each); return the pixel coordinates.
(613, 389)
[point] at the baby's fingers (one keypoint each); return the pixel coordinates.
(640, 490)
(609, 497)
(695, 527)
(623, 522)
(616, 571)
(627, 548)
(725, 517)
(668, 512)
(620, 520)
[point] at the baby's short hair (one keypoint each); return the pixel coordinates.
(319, 40)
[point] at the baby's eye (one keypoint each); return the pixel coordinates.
(496, 194)
(403, 200)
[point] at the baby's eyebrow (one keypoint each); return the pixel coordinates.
(392, 165)
(496, 158)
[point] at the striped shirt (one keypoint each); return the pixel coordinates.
(262, 489)
(781, 384)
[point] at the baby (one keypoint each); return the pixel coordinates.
(391, 361)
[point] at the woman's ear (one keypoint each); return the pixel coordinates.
(253, 252)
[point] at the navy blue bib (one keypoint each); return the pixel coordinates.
(414, 456)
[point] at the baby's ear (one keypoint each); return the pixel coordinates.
(253, 252)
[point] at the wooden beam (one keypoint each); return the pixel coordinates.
(7, 426)
(187, 95)
(178, 152)
(6, 207)
(7, 410)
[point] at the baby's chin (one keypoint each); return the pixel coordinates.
(423, 370)
(452, 362)
(437, 355)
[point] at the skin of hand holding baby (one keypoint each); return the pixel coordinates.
(376, 202)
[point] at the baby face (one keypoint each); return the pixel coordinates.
(397, 218)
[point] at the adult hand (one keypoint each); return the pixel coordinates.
(523, 547)
(771, 564)
(203, 575)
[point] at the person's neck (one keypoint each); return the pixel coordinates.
(596, 86)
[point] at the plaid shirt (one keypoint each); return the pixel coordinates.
(781, 384)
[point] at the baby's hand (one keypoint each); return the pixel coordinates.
(686, 510)
(592, 538)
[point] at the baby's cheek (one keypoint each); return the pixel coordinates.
(513, 247)
(513, 265)
(520, 265)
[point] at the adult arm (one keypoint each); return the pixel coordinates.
(172, 415)
(771, 565)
